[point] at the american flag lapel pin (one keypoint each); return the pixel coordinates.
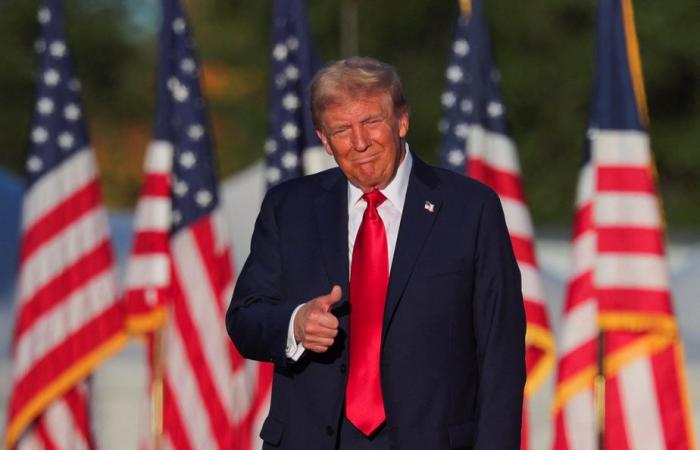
(429, 207)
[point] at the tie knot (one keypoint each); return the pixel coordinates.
(374, 198)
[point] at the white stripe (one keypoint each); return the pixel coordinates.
(222, 231)
(517, 218)
(640, 406)
(583, 253)
(203, 308)
(256, 442)
(64, 249)
(618, 270)
(585, 186)
(153, 214)
(62, 428)
(579, 422)
(580, 326)
(627, 209)
(57, 185)
(315, 159)
(52, 328)
(186, 394)
(30, 440)
(531, 283)
(159, 157)
(495, 149)
(620, 148)
(245, 383)
(148, 271)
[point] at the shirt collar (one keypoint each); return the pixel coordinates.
(395, 192)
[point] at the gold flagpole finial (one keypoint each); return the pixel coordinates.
(466, 7)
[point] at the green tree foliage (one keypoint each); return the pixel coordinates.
(544, 49)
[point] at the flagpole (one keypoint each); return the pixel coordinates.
(157, 390)
(599, 392)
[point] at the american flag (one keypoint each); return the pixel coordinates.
(620, 382)
(180, 276)
(68, 317)
(476, 142)
(292, 148)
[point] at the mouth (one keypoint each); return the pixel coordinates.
(364, 159)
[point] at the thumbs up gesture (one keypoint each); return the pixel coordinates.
(315, 327)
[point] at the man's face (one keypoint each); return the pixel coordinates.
(364, 136)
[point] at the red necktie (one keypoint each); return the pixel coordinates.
(369, 278)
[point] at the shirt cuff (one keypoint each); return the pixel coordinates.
(294, 350)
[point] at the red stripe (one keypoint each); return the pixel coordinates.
(43, 434)
(148, 242)
(631, 240)
(625, 179)
(536, 313)
(77, 402)
(156, 185)
(74, 348)
(635, 300)
(560, 436)
(202, 232)
(669, 394)
(577, 360)
(579, 290)
(583, 220)
(59, 217)
(506, 184)
(615, 430)
(68, 281)
(173, 425)
(533, 356)
(524, 250)
(197, 360)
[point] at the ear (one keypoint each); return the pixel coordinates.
(403, 123)
(324, 141)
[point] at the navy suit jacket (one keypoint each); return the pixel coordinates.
(452, 356)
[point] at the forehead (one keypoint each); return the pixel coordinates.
(350, 107)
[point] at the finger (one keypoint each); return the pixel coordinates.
(328, 321)
(333, 297)
(316, 341)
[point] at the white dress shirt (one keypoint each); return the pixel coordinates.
(390, 211)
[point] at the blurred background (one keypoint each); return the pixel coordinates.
(545, 52)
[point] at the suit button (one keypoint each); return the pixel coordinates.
(329, 430)
(343, 368)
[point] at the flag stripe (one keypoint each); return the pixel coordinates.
(641, 409)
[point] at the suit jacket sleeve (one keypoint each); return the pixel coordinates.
(499, 318)
(257, 319)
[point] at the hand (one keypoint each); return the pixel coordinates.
(315, 327)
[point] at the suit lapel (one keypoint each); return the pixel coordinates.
(331, 207)
(416, 222)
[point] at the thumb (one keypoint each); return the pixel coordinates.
(333, 297)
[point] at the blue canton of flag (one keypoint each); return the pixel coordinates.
(181, 119)
(58, 131)
(472, 95)
(294, 63)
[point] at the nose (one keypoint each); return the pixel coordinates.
(360, 142)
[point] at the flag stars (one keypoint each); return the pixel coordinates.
(292, 43)
(65, 140)
(39, 135)
(45, 106)
(455, 157)
(178, 25)
(280, 52)
(280, 81)
(177, 217)
(52, 77)
(71, 112)
(290, 131)
(74, 85)
(57, 49)
(454, 73)
(274, 174)
(179, 91)
(466, 106)
(195, 132)
(203, 198)
(495, 109)
(462, 130)
(34, 164)
(187, 159)
(180, 188)
(270, 146)
(291, 72)
(290, 102)
(187, 65)
(448, 99)
(290, 160)
(460, 47)
(44, 15)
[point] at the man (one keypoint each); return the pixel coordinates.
(385, 291)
